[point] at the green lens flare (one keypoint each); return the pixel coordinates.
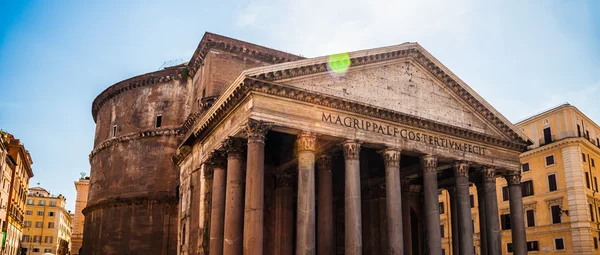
(339, 63)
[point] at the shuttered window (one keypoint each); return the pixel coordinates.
(552, 182)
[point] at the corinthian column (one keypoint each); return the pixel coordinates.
(234, 198)
(305, 238)
(517, 221)
(492, 225)
(465, 226)
(218, 161)
(352, 204)
(481, 200)
(325, 237)
(393, 201)
(284, 214)
(431, 205)
(255, 187)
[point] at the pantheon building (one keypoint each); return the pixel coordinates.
(250, 150)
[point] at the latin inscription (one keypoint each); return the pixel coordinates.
(407, 134)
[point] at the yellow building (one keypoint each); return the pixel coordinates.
(17, 193)
(82, 187)
(559, 184)
(47, 224)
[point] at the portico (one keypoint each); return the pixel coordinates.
(354, 161)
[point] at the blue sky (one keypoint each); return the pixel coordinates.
(57, 56)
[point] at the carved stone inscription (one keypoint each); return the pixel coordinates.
(384, 129)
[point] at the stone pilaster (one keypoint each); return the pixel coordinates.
(391, 159)
(517, 221)
(306, 144)
(492, 225)
(255, 187)
(463, 203)
(431, 205)
(352, 205)
(325, 234)
(234, 198)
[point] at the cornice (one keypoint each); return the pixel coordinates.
(135, 136)
(560, 143)
(118, 202)
(212, 41)
(162, 76)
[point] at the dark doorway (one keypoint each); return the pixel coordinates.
(414, 225)
(547, 135)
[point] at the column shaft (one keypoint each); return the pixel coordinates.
(431, 205)
(517, 221)
(492, 222)
(305, 238)
(234, 201)
(393, 201)
(325, 238)
(255, 188)
(217, 215)
(352, 201)
(406, 225)
(481, 201)
(284, 215)
(463, 204)
(454, 222)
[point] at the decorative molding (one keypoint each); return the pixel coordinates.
(256, 130)
(556, 144)
(461, 169)
(530, 206)
(554, 201)
(135, 136)
(488, 174)
(505, 210)
(120, 202)
(325, 162)
(429, 163)
(391, 157)
(158, 77)
(513, 179)
(181, 154)
(306, 141)
(351, 149)
(235, 147)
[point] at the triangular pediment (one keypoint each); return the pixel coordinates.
(403, 78)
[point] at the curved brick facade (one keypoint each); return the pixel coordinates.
(132, 202)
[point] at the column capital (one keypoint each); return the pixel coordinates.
(351, 149)
(283, 179)
(488, 174)
(429, 163)
(256, 130)
(461, 169)
(391, 157)
(325, 162)
(513, 179)
(217, 159)
(306, 141)
(234, 147)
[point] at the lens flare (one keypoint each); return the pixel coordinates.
(339, 63)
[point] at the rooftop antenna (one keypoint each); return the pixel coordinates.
(171, 63)
(83, 174)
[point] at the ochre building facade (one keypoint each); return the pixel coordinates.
(82, 186)
(246, 149)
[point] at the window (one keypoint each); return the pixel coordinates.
(509, 247)
(114, 131)
(505, 193)
(47, 250)
(587, 180)
(583, 156)
(51, 214)
(37, 239)
(441, 207)
(25, 238)
(550, 160)
(593, 163)
(556, 212)
(50, 224)
(533, 246)
(52, 203)
(505, 221)
(596, 243)
(48, 239)
(591, 212)
(559, 244)
(40, 213)
(442, 230)
(38, 224)
(158, 121)
(42, 202)
(28, 212)
(552, 182)
(29, 201)
(472, 199)
(530, 218)
(578, 130)
(527, 187)
(547, 135)
(27, 224)
(443, 251)
(525, 167)
(36, 249)
(596, 183)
